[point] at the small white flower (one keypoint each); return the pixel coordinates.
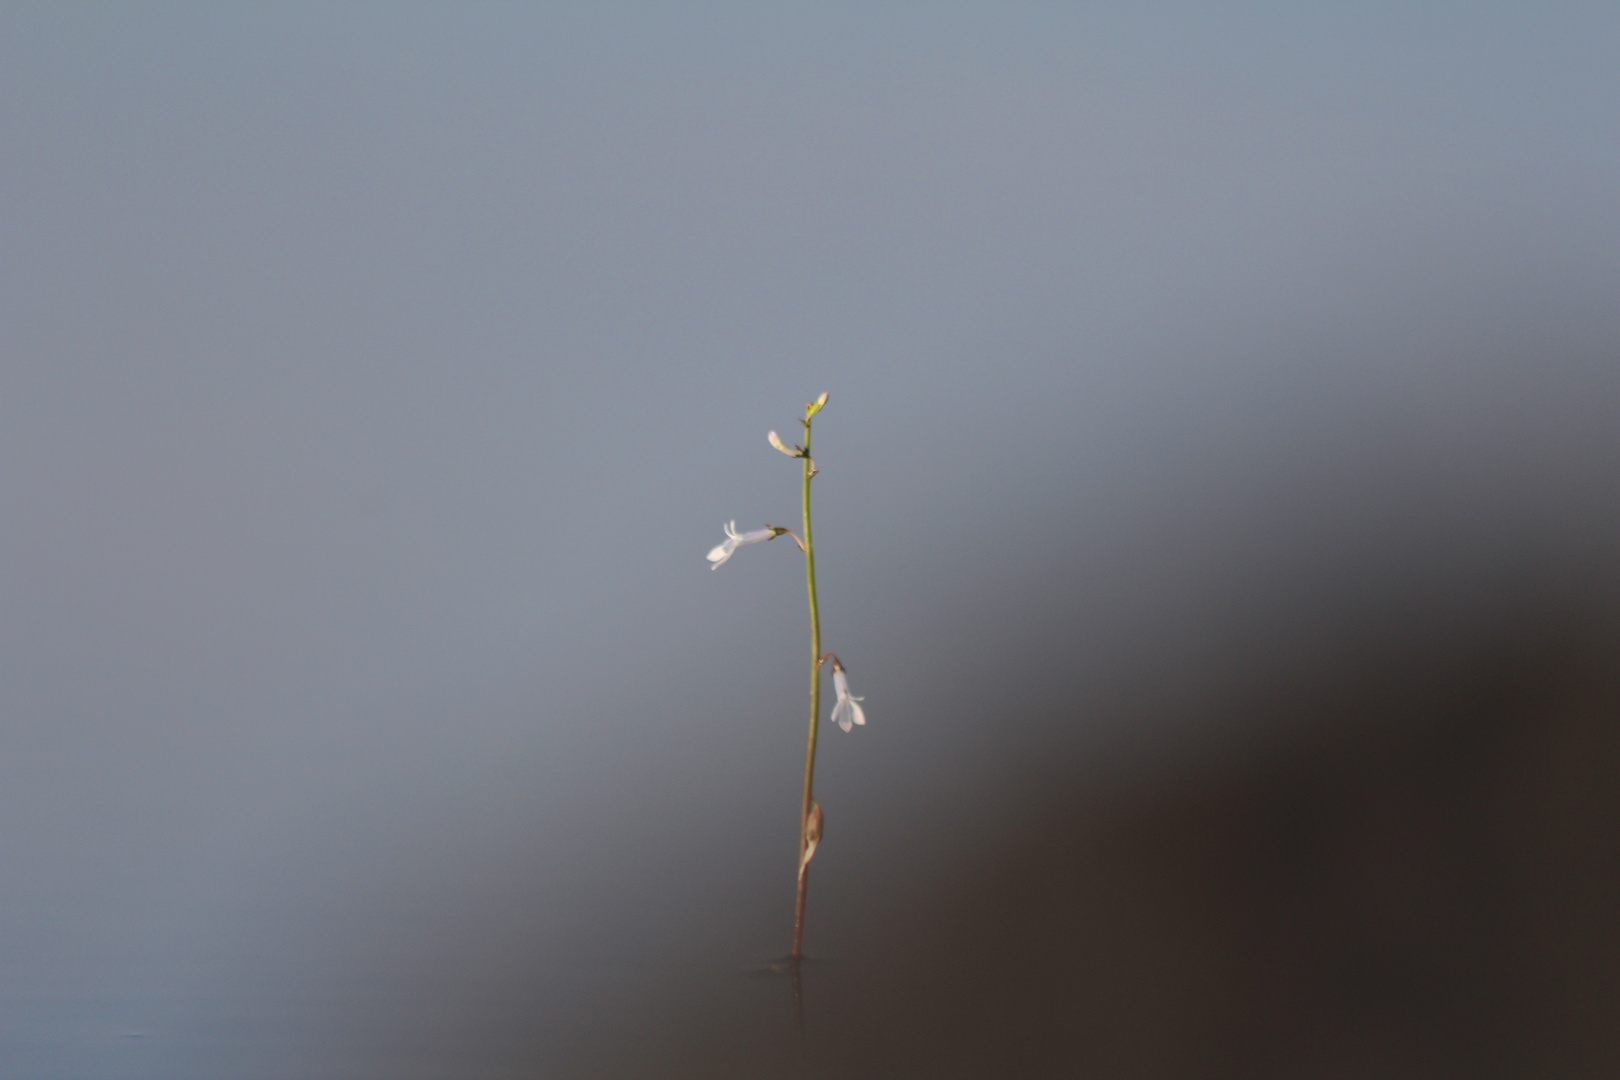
(776, 440)
(735, 539)
(845, 712)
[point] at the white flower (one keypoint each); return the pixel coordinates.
(776, 440)
(734, 540)
(845, 712)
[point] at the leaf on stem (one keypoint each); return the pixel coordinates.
(812, 835)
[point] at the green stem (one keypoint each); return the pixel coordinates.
(815, 703)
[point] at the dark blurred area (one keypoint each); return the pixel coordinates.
(1398, 860)
(1304, 764)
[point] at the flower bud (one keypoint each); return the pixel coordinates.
(776, 441)
(815, 406)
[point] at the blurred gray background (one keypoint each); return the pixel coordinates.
(374, 378)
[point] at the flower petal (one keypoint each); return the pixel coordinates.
(791, 451)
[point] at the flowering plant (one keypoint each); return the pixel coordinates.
(846, 712)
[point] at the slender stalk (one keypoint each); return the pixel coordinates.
(815, 702)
